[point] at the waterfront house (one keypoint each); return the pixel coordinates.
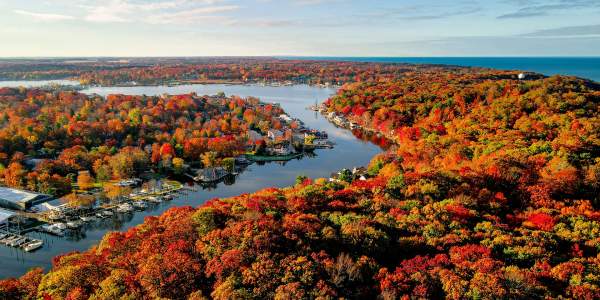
(280, 149)
(274, 134)
(285, 118)
(211, 174)
(129, 182)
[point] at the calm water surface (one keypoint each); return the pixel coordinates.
(349, 151)
(585, 67)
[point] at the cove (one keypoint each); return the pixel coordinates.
(348, 152)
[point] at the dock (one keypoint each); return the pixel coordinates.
(19, 241)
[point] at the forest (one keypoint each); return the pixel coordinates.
(157, 71)
(490, 192)
(47, 137)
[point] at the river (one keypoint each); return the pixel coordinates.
(349, 151)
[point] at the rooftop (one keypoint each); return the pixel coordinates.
(14, 195)
(5, 214)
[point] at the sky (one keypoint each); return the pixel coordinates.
(60, 28)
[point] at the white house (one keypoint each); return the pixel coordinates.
(281, 149)
(273, 134)
(285, 118)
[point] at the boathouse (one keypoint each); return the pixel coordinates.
(19, 199)
(5, 216)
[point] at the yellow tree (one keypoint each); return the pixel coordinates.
(85, 180)
(113, 192)
(178, 165)
(76, 200)
(209, 159)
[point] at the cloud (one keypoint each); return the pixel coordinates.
(44, 16)
(533, 9)
(423, 12)
(443, 15)
(313, 2)
(165, 12)
(570, 31)
(123, 10)
(197, 15)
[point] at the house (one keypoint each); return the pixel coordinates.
(361, 173)
(280, 149)
(273, 134)
(321, 143)
(285, 118)
(21, 200)
(340, 121)
(317, 134)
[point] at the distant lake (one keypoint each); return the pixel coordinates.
(585, 67)
(349, 151)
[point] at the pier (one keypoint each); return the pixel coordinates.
(57, 220)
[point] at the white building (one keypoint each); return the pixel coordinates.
(273, 134)
(285, 118)
(19, 199)
(281, 149)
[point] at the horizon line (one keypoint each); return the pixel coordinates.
(299, 56)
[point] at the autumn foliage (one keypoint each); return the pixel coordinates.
(491, 192)
(90, 138)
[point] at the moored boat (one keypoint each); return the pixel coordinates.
(87, 218)
(33, 245)
(125, 208)
(141, 205)
(74, 224)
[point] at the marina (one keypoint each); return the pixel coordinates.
(61, 220)
(19, 241)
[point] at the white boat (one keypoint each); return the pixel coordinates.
(74, 224)
(124, 208)
(34, 245)
(169, 197)
(140, 205)
(107, 213)
(53, 229)
(154, 199)
(10, 239)
(18, 242)
(87, 218)
(100, 215)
